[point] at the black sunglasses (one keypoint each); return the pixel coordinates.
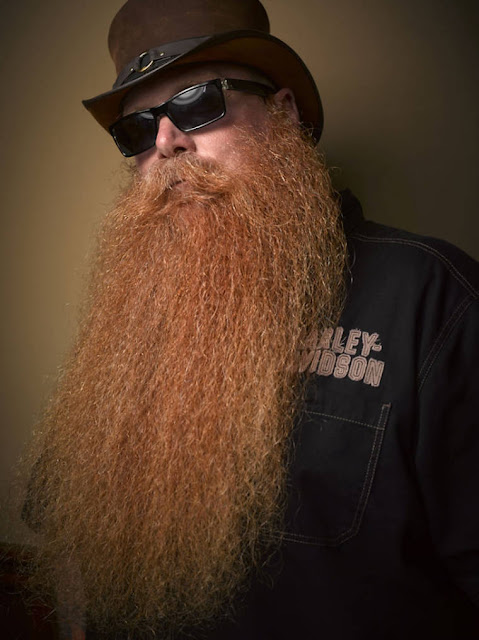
(188, 110)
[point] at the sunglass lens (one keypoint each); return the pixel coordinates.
(197, 107)
(135, 133)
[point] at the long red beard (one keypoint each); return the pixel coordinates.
(165, 448)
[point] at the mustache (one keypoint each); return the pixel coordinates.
(186, 167)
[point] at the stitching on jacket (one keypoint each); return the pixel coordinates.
(365, 492)
(327, 415)
(440, 340)
(415, 243)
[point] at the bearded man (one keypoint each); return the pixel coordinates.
(226, 457)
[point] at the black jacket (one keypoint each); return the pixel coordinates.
(383, 524)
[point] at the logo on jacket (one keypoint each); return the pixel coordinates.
(344, 354)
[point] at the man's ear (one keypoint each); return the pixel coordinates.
(285, 99)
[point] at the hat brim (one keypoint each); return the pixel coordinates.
(252, 48)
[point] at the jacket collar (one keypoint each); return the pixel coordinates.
(351, 211)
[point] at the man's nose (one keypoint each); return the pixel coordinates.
(170, 140)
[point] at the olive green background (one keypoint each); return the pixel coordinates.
(400, 89)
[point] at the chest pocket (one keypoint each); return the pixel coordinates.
(335, 456)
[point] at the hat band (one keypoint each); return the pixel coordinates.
(155, 58)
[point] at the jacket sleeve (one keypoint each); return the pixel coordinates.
(447, 453)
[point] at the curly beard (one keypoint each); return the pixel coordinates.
(165, 447)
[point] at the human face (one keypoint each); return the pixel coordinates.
(217, 141)
(190, 284)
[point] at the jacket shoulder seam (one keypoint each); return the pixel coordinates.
(424, 247)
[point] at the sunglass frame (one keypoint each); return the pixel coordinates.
(223, 84)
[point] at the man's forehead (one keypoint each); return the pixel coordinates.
(178, 78)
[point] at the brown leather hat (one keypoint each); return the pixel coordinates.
(148, 36)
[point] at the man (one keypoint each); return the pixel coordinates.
(225, 457)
